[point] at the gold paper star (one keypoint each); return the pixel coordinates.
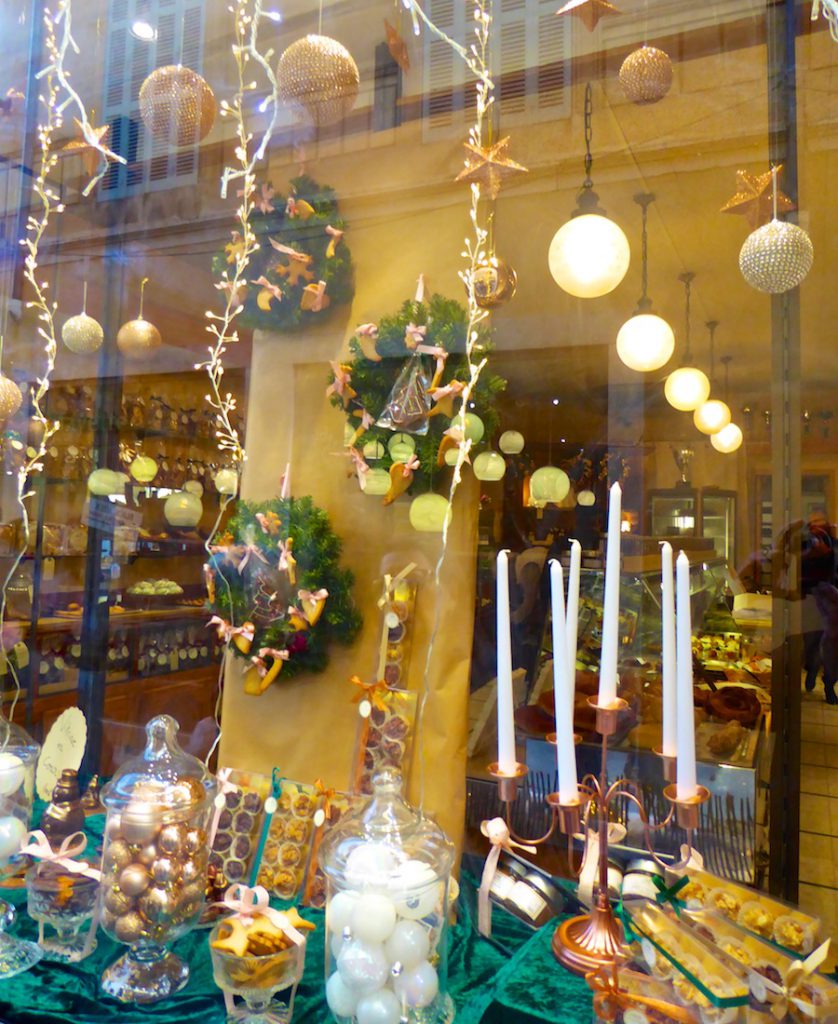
(83, 146)
(754, 198)
(589, 11)
(489, 166)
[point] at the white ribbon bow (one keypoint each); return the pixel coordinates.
(497, 832)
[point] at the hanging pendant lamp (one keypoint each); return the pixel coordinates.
(590, 254)
(729, 438)
(646, 341)
(688, 387)
(549, 485)
(713, 415)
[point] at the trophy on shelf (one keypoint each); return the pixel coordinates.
(683, 457)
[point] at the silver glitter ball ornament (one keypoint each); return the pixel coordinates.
(318, 79)
(776, 257)
(190, 872)
(156, 905)
(117, 855)
(646, 75)
(170, 839)
(82, 333)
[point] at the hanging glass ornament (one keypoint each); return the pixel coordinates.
(495, 282)
(776, 257)
(408, 405)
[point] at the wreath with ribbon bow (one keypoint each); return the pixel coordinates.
(303, 266)
(414, 360)
(277, 592)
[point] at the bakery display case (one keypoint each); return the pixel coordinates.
(123, 507)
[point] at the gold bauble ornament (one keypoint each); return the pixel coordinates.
(776, 257)
(10, 397)
(646, 75)
(177, 105)
(82, 333)
(495, 283)
(318, 79)
(138, 338)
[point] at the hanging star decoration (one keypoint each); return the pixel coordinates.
(397, 46)
(490, 166)
(7, 102)
(753, 198)
(89, 145)
(589, 11)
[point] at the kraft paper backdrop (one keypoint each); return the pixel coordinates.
(306, 727)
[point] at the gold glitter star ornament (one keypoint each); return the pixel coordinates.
(753, 198)
(589, 11)
(489, 166)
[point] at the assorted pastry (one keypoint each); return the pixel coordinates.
(256, 952)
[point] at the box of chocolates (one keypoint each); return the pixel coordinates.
(385, 736)
(238, 824)
(334, 807)
(287, 844)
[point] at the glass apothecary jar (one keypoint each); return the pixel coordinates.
(18, 758)
(388, 870)
(154, 863)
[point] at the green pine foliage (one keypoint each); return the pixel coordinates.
(447, 327)
(306, 236)
(261, 594)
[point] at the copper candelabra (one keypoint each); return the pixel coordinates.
(595, 940)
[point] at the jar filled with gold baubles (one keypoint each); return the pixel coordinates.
(388, 871)
(18, 758)
(154, 863)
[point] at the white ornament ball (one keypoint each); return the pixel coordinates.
(382, 1007)
(419, 986)
(194, 487)
(373, 918)
(776, 257)
(336, 944)
(82, 334)
(370, 865)
(226, 481)
(589, 256)
(341, 999)
(511, 442)
(363, 966)
(339, 911)
(12, 834)
(416, 889)
(103, 482)
(10, 397)
(409, 944)
(12, 773)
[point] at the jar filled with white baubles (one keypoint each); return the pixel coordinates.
(388, 870)
(18, 758)
(154, 863)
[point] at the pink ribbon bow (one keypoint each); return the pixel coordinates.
(414, 335)
(361, 467)
(335, 236)
(497, 832)
(286, 250)
(254, 901)
(434, 350)
(224, 787)
(39, 848)
(244, 552)
(454, 387)
(287, 562)
(267, 652)
(411, 464)
(341, 381)
(269, 286)
(367, 331)
(317, 595)
(319, 292)
(226, 632)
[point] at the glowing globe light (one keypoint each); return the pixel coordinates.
(727, 440)
(549, 485)
(645, 342)
(427, 513)
(452, 456)
(712, 416)
(489, 466)
(589, 256)
(586, 498)
(511, 442)
(687, 388)
(376, 482)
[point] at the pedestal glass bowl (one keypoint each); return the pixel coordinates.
(61, 901)
(154, 863)
(388, 871)
(18, 757)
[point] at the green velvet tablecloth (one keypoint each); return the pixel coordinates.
(511, 978)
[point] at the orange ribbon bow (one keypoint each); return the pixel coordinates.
(372, 692)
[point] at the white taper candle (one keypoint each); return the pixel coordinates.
(669, 744)
(562, 691)
(611, 602)
(507, 758)
(572, 613)
(685, 774)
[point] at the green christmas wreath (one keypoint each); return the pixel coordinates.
(388, 368)
(303, 266)
(277, 591)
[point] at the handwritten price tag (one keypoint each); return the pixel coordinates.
(63, 748)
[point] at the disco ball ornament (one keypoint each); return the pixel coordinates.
(82, 334)
(318, 79)
(495, 283)
(646, 75)
(776, 257)
(10, 397)
(177, 105)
